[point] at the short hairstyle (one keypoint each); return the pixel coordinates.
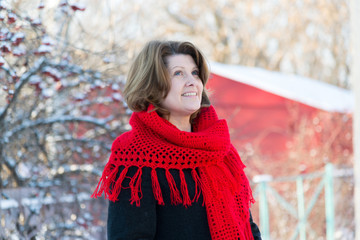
(148, 80)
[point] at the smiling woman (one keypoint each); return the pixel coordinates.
(175, 175)
(184, 96)
(151, 76)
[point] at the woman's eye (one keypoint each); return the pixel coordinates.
(196, 72)
(177, 73)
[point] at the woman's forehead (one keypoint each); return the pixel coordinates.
(179, 60)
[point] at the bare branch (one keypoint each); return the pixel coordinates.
(11, 166)
(181, 19)
(62, 119)
(23, 80)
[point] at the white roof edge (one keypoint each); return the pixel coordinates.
(304, 90)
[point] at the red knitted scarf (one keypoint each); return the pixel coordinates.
(215, 166)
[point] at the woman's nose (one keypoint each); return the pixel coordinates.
(190, 80)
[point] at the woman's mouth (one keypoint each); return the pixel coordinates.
(190, 94)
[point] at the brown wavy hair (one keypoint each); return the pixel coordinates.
(148, 81)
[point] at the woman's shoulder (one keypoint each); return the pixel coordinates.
(122, 139)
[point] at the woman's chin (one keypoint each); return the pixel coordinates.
(193, 109)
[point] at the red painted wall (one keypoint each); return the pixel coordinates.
(264, 120)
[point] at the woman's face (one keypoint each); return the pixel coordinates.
(184, 97)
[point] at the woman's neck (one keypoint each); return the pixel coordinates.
(183, 123)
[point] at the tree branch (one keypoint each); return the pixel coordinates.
(23, 80)
(62, 119)
(11, 165)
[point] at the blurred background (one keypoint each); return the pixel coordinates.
(280, 76)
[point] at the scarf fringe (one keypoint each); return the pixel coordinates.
(99, 189)
(174, 191)
(156, 187)
(135, 186)
(116, 186)
(111, 184)
(197, 181)
(105, 181)
(184, 190)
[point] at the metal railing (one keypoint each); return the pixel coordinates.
(302, 212)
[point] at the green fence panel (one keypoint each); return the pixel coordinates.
(264, 211)
(303, 212)
(329, 202)
(301, 207)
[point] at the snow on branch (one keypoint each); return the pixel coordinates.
(11, 164)
(32, 202)
(66, 169)
(23, 80)
(62, 119)
(68, 138)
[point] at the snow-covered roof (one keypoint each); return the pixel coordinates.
(305, 90)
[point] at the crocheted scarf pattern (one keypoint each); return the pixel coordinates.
(215, 166)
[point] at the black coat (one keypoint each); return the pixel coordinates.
(153, 221)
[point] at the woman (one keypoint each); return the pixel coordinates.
(175, 175)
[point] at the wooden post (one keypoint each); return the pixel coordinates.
(355, 81)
